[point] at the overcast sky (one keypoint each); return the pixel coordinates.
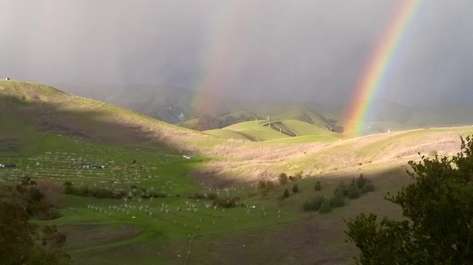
(314, 49)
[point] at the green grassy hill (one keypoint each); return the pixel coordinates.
(171, 104)
(255, 131)
(53, 136)
(272, 130)
(28, 110)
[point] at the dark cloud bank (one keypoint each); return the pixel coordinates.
(311, 50)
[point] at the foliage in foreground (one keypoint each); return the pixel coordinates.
(21, 241)
(438, 208)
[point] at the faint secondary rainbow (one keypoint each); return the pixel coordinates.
(217, 57)
(368, 86)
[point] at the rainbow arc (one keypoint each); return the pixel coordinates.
(372, 78)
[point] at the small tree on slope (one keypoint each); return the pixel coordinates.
(438, 208)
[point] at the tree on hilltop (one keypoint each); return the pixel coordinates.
(438, 208)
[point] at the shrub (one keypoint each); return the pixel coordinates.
(317, 186)
(51, 190)
(68, 187)
(286, 193)
(353, 191)
(48, 214)
(367, 187)
(104, 193)
(283, 179)
(298, 175)
(228, 202)
(437, 213)
(360, 182)
(212, 196)
(313, 204)
(295, 188)
(261, 185)
(100, 193)
(270, 185)
(265, 186)
(325, 207)
(337, 199)
(343, 188)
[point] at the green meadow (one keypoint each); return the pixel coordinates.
(192, 197)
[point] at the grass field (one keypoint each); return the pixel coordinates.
(164, 230)
(56, 137)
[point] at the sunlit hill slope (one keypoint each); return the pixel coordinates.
(28, 109)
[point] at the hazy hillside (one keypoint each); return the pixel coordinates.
(27, 109)
(166, 103)
(442, 116)
(202, 111)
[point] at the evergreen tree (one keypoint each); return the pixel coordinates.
(360, 182)
(317, 186)
(353, 190)
(338, 199)
(325, 207)
(286, 193)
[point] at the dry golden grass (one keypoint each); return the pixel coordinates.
(51, 110)
(243, 161)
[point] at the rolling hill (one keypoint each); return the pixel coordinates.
(181, 225)
(272, 130)
(28, 110)
(170, 104)
(177, 106)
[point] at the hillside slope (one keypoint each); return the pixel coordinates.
(28, 109)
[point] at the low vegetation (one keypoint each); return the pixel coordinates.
(437, 209)
(199, 199)
(340, 196)
(21, 240)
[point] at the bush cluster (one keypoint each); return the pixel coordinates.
(317, 186)
(314, 204)
(265, 186)
(34, 201)
(98, 193)
(227, 202)
(354, 190)
(282, 179)
(204, 196)
(153, 194)
(218, 201)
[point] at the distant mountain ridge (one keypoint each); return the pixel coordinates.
(176, 105)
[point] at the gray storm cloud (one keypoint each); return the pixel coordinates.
(300, 49)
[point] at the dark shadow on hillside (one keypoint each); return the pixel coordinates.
(313, 239)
